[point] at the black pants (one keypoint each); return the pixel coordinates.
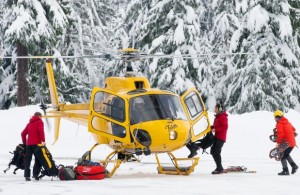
(215, 151)
(287, 158)
(30, 150)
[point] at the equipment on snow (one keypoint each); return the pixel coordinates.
(90, 172)
(66, 173)
(18, 159)
(237, 169)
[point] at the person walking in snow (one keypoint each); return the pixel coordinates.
(219, 127)
(285, 133)
(34, 132)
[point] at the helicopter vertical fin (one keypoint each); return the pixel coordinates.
(52, 85)
(56, 129)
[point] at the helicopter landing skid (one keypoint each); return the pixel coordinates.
(176, 169)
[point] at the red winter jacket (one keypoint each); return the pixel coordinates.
(34, 131)
(285, 130)
(221, 126)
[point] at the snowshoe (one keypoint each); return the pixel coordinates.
(277, 152)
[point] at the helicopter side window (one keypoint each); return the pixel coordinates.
(109, 105)
(194, 105)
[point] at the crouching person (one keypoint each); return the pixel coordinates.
(32, 135)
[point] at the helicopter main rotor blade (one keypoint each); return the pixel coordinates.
(105, 56)
(127, 56)
(188, 56)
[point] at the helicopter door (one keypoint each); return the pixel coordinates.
(109, 116)
(196, 112)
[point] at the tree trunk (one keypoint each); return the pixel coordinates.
(22, 72)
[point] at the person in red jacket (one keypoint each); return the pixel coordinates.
(285, 133)
(32, 135)
(219, 127)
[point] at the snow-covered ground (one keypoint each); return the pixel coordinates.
(247, 144)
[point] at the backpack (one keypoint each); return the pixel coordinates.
(48, 164)
(18, 159)
(66, 173)
(207, 141)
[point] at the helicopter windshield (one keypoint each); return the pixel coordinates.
(155, 107)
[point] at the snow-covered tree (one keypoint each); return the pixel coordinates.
(225, 23)
(31, 27)
(169, 27)
(118, 37)
(268, 78)
(89, 36)
(295, 17)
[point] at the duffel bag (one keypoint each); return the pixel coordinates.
(66, 173)
(90, 172)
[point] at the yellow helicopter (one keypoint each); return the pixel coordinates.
(135, 119)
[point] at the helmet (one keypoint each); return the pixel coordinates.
(278, 113)
(139, 103)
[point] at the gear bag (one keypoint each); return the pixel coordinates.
(207, 141)
(18, 159)
(90, 172)
(66, 173)
(48, 164)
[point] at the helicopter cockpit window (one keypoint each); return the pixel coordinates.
(109, 105)
(194, 105)
(155, 107)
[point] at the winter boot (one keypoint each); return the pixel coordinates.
(27, 179)
(285, 171)
(294, 169)
(193, 149)
(218, 171)
(36, 178)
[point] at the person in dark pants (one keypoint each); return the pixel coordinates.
(32, 135)
(220, 128)
(285, 133)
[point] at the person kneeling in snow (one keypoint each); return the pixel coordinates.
(285, 132)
